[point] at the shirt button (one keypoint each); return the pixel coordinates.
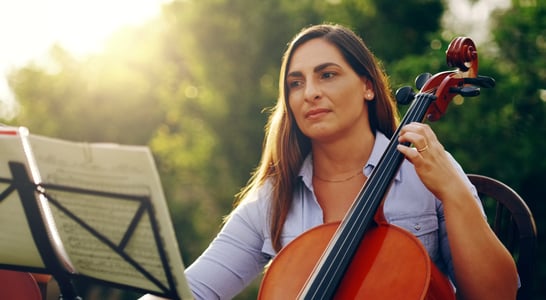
(417, 226)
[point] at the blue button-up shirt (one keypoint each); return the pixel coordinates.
(243, 246)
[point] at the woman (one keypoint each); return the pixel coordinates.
(331, 124)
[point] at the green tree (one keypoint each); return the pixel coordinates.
(521, 38)
(87, 100)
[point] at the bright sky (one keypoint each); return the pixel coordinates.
(28, 28)
(472, 18)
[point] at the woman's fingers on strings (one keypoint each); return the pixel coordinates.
(415, 136)
(419, 135)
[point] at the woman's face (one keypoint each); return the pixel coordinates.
(326, 96)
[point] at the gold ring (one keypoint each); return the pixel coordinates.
(422, 149)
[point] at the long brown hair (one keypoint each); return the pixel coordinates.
(285, 147)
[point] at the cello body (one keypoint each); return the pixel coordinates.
(399, 257)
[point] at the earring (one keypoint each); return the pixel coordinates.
(369, 96)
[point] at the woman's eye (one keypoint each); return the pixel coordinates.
(327, 75)
(294, 83)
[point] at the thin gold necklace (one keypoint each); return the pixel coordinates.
(338, 180)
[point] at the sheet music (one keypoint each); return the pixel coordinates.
(17, 246)
(117, 169)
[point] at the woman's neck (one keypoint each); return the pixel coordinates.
(341, 158)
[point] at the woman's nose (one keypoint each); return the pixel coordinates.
(312, 91)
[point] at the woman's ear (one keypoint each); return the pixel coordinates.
(368, 89)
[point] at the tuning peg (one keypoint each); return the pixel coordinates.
(421, 80)
(481, 81)
(405, 95)
(466, 91)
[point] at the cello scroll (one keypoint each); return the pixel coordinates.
(461, 54)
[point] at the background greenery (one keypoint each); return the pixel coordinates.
(193, 84)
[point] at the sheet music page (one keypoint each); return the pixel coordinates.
(114, 169)
(17, 246)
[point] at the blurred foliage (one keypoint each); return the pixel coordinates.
(193, 85)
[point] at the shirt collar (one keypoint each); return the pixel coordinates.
(380, 144)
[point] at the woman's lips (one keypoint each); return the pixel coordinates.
(316, 113)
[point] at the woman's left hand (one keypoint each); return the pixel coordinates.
(431, 162)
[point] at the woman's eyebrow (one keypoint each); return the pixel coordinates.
(315, 69)
(324, 66)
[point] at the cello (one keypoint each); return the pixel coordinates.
(23, 285)
(354, 258)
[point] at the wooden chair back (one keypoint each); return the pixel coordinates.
(513, 223)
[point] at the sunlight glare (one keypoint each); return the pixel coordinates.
(82, 26)
(28, 28)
